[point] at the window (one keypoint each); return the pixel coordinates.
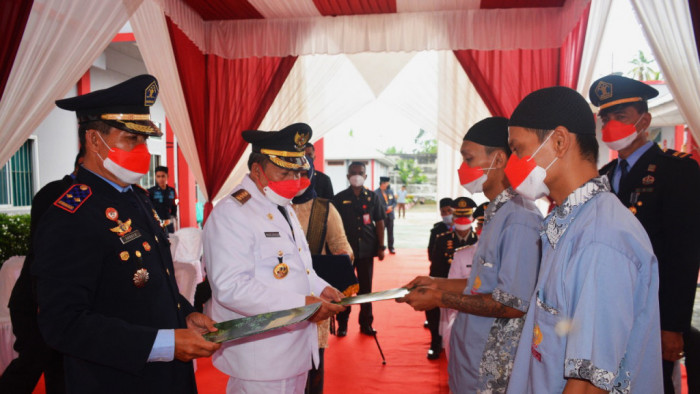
(149, 179)
(17, 177)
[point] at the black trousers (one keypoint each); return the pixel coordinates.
(35, 358)
(691, 348)
(365, 269)
(433, 317)
(389, 226)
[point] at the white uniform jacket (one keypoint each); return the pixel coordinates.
(242, 242)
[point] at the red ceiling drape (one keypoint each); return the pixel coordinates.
(13, 19)
(224, 97)
(355, 7)
(504, 77)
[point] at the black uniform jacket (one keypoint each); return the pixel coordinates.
(438, 228)
(87, 249)
(662, 190)
(323, 185)
(361, 236)
(444, 250)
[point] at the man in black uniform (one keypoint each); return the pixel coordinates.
(443, 252)
(34, 356)
(106, 288)
(164, 199)
(660, 188)
(388, 201)
(323, 186)
(363, 220)
(442, 226)
(479, 217)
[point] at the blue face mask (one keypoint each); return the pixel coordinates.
(447, 220)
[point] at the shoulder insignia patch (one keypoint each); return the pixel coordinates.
(676, 154)
(242, 196)
(138, 187)
(73, 198)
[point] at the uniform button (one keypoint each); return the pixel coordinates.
(167, 271)
(300, 249)
(178, 305)
(312, 294)
(156, 237)
(359, 228)
(307, 271)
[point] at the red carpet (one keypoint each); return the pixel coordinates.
(353, 363)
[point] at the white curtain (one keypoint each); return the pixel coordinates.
(597, 18)
(151, 32)
(290, 34)
(322, 91)
(61, 40)
(434, 92)
(669, 31)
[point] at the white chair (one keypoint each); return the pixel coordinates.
(9, 272)
(188, 252)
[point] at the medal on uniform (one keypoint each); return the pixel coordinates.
(648, 180)
(122, 227)
(141, 275)
(146, 246)
(112, 214)
(281, 269)
(124, 255)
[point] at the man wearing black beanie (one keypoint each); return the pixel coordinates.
(493, 300)
(593, 324)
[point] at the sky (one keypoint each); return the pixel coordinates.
(382, 127)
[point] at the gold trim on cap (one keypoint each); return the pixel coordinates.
(620, 101)
(139, 127)
(285, 164)
(281, 153)
(125, 116)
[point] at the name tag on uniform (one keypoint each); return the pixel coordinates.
(130, 237)
(274, 234)
(366, 219)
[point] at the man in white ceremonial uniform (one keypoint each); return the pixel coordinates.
(258, 261)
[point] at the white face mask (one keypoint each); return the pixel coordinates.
(276, 198)
(357, 180)
(532, 186)
(462, 227)
(447, 219)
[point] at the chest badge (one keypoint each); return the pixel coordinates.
(124, 255)
(536, 340)
(122, 227)
(140, 277)
(281, 269)
(112, 214)
(477, 285)
(633, 210)
(648, 180)
(146, 246)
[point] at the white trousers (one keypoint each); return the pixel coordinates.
(293, 385)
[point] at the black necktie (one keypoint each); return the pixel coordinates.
(624, 167)
(283, 210)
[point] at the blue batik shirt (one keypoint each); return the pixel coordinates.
(595, 311)
(505, 265)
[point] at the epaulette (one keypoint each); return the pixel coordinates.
(676, 154)
(73, 198)
(442, 234)
(241, 195)
(141, 189)
(463, 247)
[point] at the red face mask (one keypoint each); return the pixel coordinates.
(282, 192)
(462, 220)
(618, 135)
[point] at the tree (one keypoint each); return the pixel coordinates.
(409, 172)
(642, 70)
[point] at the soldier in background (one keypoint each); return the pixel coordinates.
(164, 199)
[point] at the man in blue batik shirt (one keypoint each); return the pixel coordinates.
(496, 296)
(593, 326)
